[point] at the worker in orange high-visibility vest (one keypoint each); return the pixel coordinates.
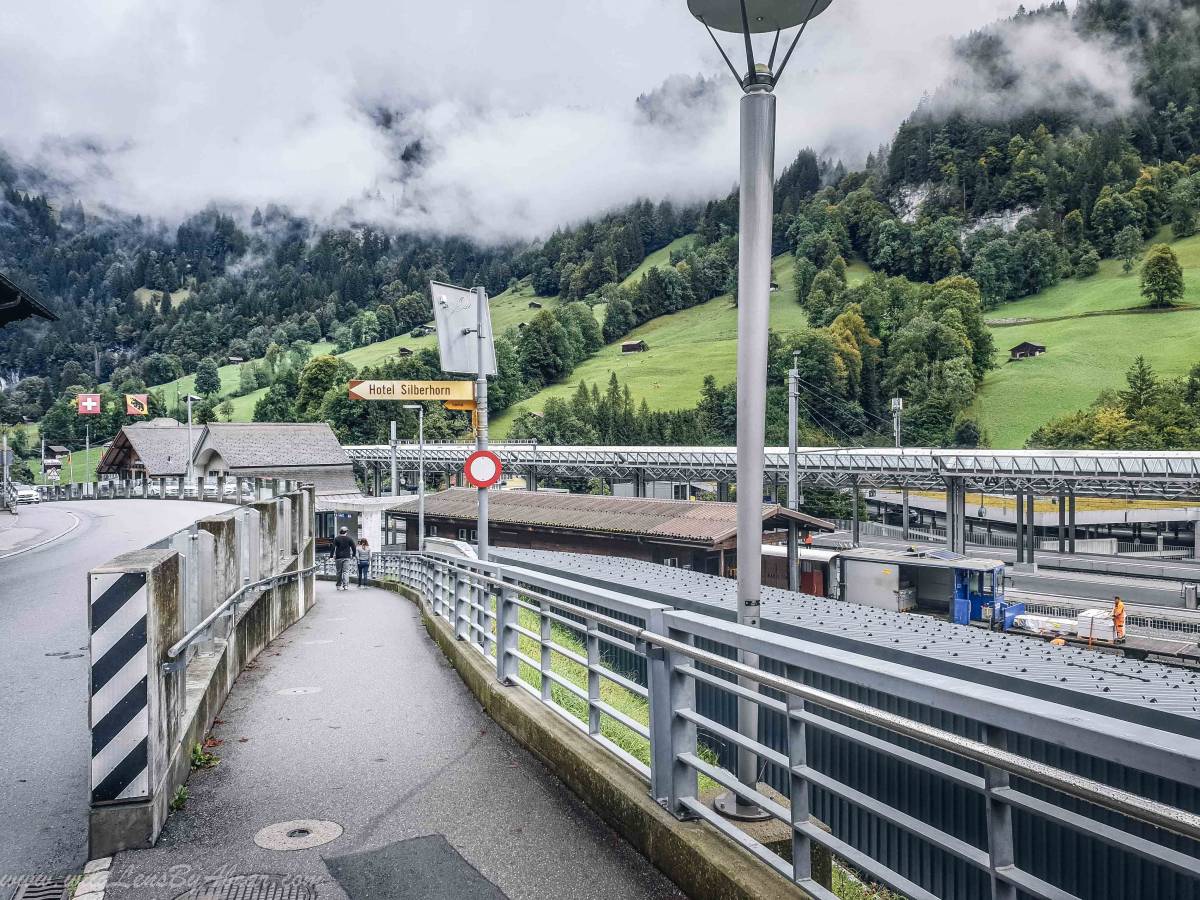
(808, 539)
(1118, 614)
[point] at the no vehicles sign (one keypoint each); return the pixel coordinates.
(482, 468)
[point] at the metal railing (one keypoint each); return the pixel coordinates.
(210, 488)
(627, 672)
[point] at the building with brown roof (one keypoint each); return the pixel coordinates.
(155, 449)
(701, 536)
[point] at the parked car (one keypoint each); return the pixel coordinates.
(27, 493)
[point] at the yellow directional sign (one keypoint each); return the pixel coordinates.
(462, 405)
(412, 390)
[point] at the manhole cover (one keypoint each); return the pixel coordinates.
(287, 692)
(253, 887)
(299, 835)
(41, 890)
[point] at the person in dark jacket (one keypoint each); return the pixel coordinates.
(343, 552)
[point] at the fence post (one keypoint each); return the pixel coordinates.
(682, 695)
(507, 664)
(547, 655)
(593, 677)
(798, 790)
(999, 820)
(658, 690)
(461, 591)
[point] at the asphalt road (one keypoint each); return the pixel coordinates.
(44, 737)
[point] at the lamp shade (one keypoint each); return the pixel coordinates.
(763, 15)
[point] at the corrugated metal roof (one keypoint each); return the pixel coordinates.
(1156, 695)
(707, 522)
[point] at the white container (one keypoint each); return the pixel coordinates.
(1096, 625)
(1045, 624)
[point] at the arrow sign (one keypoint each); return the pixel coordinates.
(412, 390)
(461, 405)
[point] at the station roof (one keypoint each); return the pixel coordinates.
(677, 520)
(1146, 693)
(18, 303)
(1151, 474)
(930, 559)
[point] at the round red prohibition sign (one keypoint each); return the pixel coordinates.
(482, 468)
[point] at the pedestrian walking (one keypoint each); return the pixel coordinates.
(343, 552)
(364, 561)
(1118, 614)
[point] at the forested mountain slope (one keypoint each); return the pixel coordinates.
(972, 207)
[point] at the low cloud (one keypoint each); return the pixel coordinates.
(496, 120)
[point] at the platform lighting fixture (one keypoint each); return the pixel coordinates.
(748, 18)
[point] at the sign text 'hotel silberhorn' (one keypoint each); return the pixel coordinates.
(412, 390)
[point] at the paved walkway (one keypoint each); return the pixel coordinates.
(354, 716)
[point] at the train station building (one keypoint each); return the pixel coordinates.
(689, 535)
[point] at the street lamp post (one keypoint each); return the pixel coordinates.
(756, 199)
(420, 411)
(794, 501)
(191, 469)
(395, 469)
(897, 415)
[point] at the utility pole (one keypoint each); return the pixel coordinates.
(756, 209)
(420, 411)
(395, 466)
(897, 413)
(87, 452)
(793, 547)
(481, 415)
(4, 457)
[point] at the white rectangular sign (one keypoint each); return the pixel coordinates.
(455, 313)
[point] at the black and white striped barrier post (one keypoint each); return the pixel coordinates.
(134, 615)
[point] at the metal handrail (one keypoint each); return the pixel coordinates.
(1125, 803)
(272, 581)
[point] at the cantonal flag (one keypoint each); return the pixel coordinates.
(88, 404)
(136, 405)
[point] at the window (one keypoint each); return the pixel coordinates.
(468, 534)
(431, 531)
(680, 491)
(672, 561)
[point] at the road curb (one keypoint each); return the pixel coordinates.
(48, 540)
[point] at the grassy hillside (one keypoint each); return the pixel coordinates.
(683, 349)
(1091, 341)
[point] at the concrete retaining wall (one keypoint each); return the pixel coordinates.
(144, 602)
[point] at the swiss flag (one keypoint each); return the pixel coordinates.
(88, 404)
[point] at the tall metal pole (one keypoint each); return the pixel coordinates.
(87, 452)
(754, 292)
(4, 457)
(481, 412)
(395, 468)
(420, 479)
(897, 413)
(793, 548)
(190, 470)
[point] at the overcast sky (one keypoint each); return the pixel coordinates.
(526, 111)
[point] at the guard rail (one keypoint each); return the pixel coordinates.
(561, 641)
